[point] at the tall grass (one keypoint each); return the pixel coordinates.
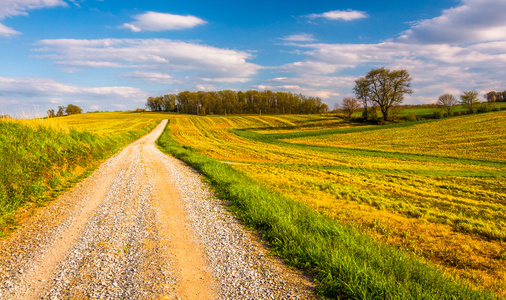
(346, 263)
(39, 161)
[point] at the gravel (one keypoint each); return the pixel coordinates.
(101, 240)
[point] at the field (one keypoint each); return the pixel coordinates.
(427, 113)
(41, 158)
(433, 188)
(373, 211)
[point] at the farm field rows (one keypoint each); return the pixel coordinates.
(433, 188)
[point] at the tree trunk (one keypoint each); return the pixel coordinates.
(385, 113)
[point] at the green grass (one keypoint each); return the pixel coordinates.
(276, 140)
(40, 161)
(347, 263)
(425, 112)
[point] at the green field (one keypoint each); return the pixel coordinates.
(426, 112)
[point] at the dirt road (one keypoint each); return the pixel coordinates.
(143, 226)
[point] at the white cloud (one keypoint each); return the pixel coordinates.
(152, 77)
(317, 81)
(302, 37)
(6, 31)
(435, 69)
(472, 22)
(155, 21)
(150, 54)
(345, 15)
(226, 79)
(43, 93)
(306, 91)
(11, 8)
(312, 67)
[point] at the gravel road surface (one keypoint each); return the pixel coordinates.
(142, 226)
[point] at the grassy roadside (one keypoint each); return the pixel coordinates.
(347, 263)
(38, 162)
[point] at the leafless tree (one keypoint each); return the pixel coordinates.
(350, 105)
(448, 102)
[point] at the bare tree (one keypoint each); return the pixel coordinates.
(448, 102)
(361, 90)
(350, 105)
(337, 107)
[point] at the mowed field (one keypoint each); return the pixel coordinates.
(434, 188)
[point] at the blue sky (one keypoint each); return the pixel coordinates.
(112, 55)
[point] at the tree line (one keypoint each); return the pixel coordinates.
(232, 102)
(494, 96)
(68, 110)
(385, 89)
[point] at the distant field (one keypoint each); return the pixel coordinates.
(434, 188)
(427, 112)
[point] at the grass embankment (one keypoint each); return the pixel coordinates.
(347, 263)
(41, 158)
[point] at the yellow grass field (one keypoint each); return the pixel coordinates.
(435, 189)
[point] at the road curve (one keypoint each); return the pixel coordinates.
(142, 226)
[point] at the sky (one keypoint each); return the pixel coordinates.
(112, 55)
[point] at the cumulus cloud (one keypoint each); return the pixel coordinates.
(11, 8)
(148, 55)
(345, 15)
(472, 22)
(435, 68)
(155, 21)
(43, 93)
(464, 48)
(301, 37)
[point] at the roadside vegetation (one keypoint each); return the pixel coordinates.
(42, 157)
(433, 188)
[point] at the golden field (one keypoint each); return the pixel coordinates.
(435, 189)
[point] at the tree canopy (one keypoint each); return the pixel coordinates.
(68, 110)
(232, 102)
(469, 99)
(72, 109)
(384, 87)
